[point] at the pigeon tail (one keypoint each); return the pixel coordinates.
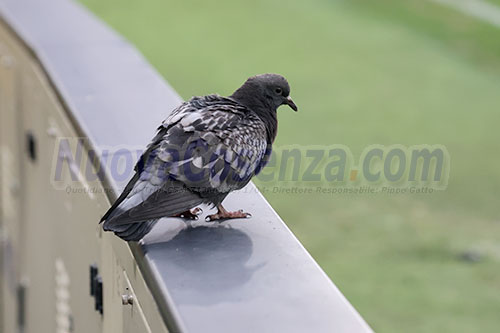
(132, 232)
(171, 199)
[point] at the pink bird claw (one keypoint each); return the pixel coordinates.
(222, 214)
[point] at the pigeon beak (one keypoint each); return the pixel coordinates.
(291, 104)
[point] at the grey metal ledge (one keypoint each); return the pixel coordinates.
(254, 276)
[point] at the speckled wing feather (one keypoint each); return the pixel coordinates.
(215, 145)
(206, 148)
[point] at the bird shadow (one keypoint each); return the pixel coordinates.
(205, 265)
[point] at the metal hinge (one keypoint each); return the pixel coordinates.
(21, 307)
(96, 287)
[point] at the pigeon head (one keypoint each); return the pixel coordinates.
(264, 92)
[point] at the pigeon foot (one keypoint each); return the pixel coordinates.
(191, 214)
(222, 214)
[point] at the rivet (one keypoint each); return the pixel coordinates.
(127, 299)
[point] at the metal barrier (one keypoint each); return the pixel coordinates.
(66, 79)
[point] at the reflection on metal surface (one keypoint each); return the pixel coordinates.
(220, 253)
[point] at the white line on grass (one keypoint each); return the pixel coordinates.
(478, 8)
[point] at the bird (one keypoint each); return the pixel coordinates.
(206, 148)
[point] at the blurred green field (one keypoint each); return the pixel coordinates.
(363, 72)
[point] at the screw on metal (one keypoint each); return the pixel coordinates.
(127, 299)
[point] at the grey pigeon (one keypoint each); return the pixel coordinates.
(206, 148)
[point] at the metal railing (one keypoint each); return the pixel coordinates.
(71, 77)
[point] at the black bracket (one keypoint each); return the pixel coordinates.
(96, 288)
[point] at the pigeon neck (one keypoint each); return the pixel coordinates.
(266, 113)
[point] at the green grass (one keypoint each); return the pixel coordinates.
(494, 2)
(363, 72)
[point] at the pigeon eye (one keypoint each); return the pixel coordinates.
(278, 91)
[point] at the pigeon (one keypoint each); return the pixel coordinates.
(206, 148)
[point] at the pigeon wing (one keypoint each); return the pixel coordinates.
(206, 148)
(219, 148)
